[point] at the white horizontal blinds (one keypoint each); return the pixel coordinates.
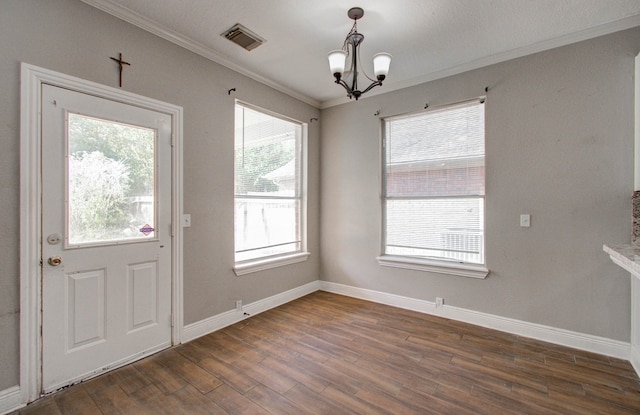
(434, 184)
(268, 185)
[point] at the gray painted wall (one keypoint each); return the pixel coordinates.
(73, 38)
(559, 146)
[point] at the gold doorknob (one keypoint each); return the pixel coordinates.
(54, 261)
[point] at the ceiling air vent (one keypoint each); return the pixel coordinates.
(244, 37)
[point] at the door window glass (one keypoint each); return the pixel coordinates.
(110, 181)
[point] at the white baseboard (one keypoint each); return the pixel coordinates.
(219, 321)
(581, 341)
(635, 358)
(587, 342)
(10, 400)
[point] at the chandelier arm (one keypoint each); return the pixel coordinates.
(373, 84)
(344, 85)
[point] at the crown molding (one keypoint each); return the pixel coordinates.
(144, 23)
(150, 26)
(575, 37)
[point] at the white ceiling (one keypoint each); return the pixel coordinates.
(429, 39)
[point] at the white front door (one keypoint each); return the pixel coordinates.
(106, 234)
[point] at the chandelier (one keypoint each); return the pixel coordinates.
(338, 59)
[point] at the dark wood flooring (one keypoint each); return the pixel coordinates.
(330, 354)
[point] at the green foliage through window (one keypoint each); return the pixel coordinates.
(111, 179)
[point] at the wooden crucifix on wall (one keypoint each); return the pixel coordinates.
(121, 64)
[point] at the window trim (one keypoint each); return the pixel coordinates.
(426, 264)
(261, 264)
(268, 262)
(439, 266)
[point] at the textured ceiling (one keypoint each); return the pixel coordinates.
(428, 39)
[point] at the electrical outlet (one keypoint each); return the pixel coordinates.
(439, 302)
(238, 305)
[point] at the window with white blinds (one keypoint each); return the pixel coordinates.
(434, 184)
(268, 185)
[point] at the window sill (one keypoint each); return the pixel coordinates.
(263, 264)
(441, 267)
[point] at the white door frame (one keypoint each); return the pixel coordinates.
(32, 78)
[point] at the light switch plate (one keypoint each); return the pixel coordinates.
(525, 221)
(186, 220)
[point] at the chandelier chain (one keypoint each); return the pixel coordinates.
(354, 29)
(345, 47)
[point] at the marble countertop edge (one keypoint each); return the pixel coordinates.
(626, 256)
